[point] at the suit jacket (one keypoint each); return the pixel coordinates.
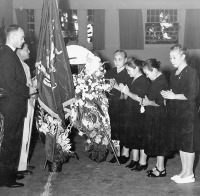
(13, 80)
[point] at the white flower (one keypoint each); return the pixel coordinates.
(74, 114)
(53, 129)
(105, 141)
(44, 128)
(88, 141)
(89, 96)
(77, 90)
(106, 87)
(80, 133)
(50, 119)
(80, 102)
(116, 143)
(93, 134)
(98, 139)
(89, 81)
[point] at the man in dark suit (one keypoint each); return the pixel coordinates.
(13, 106)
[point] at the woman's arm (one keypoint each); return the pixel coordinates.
(134, 96)
(147, 102)
(170, 95)
(127, 92)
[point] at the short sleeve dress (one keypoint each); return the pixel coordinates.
(156, 120)
(132, 130)
(185, 124)
(115, 101)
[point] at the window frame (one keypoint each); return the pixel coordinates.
(68, 34)
(30, 22)
(92, 24)
(160, 44)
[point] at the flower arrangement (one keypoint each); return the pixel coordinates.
(89, 112)
(52, 127)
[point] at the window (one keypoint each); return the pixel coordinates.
(31, 22)
(161, 26)
(90, 25)
(69, 25)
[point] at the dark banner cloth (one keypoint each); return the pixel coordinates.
(52, 67)
(55, 83)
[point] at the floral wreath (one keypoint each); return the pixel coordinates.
(89, 112)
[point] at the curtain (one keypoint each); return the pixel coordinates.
(99, 30)
(192, 29)
(131, 29)
(22, 19)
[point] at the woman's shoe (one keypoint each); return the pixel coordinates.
(152, 170)
(176, 177)
(140, 167)
(123, 159)
(187, 179)
(132, 164)
(162, 173)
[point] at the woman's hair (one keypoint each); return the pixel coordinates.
(133, 62)
(180, 48)
(122, 52)
(151, 63)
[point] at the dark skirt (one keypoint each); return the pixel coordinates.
(114, 110)
(157, 132)
(132, 126)
(185, 126)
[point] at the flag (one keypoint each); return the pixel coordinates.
(55, 82)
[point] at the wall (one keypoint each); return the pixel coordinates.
(161, 52)
(6, 7)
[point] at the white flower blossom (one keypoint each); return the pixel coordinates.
(93, 134)
(44, 128)
(88, 141)
(80, 133)
(105, 141)
(98, 139)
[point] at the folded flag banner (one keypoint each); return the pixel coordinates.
(55, 82)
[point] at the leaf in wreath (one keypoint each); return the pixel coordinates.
(98, 153)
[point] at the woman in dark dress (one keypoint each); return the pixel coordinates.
(133, 128)
(116, 98)
(184, 89)
(156, 130)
